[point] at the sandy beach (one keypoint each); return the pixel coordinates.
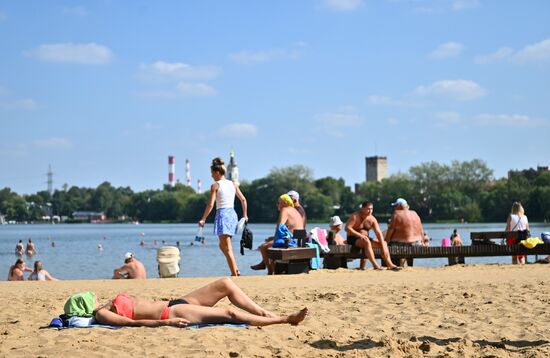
(477, 310)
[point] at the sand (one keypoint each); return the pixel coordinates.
(476, 310)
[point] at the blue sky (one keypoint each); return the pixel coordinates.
(106, 90)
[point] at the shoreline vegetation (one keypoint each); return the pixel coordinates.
(439, 193)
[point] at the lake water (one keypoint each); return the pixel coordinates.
(76, 255)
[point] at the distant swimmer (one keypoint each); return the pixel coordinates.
(132, 268)
(142, 243)
(100, 247)
(19, 248)
(31, 250)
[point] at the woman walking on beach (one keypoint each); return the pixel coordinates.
(223, 192)
(517, 221)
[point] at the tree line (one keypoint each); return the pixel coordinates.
(457, 191)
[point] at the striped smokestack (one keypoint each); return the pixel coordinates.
(171, 171)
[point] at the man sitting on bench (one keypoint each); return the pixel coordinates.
(405, 228)
(357, 231)
(288, 216)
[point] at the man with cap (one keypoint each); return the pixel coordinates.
(336, 225)
(296, 199)
(357, 230)
(405, 228)
(132, 268)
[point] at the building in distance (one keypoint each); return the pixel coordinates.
(376, 168)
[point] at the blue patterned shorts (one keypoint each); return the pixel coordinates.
(225, 222)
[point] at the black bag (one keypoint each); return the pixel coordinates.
(522, 235)
(246, 239)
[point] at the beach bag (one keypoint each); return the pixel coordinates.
(80, 304)
(247, 239)
(545, 236)
(168, 258)
(522, 235)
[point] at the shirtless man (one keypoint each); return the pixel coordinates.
(16, 271)
(132, 268)
(289, 216)
(405, 228)
(296, 200)
(357, 231)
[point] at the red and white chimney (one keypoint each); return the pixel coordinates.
(199, 186)
(171, 171)
(188, 172)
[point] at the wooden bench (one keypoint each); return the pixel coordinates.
(291, 260)
(338, 255)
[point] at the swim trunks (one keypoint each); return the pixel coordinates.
(166, 311)
(124, 305)
(399, 243)
(353, 239)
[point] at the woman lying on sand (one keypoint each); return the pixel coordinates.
(193, 308)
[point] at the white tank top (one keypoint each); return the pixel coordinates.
(225, 196)
(518, 223)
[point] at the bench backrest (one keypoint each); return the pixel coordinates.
(488, 235)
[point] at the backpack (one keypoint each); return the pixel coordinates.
(246, 239)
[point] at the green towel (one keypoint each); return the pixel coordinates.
(80, 304)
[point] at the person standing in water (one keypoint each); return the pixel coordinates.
(223, 192)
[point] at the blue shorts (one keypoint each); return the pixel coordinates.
(225, 222)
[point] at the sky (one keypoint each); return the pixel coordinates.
(105, 90)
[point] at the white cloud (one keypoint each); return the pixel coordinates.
(344, 5)
(75, 11)
(498, 55)
(53, 143)
(238, 130)
(384, 100)
(195, 89)
(509, 120)
(334, 123)
(22, 104)
(537, 52)
(252, 57)
(87, 54)
(446, 119)
(446, 50)
(459, 90)
(177, 70)
(459, 5)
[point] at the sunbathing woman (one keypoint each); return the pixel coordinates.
(193, 308)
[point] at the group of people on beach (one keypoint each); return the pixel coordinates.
(17, 270)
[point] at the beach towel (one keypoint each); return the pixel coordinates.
(284, 238)
(80, 304)
(80, 322)
(531, 242)
(316, 261)
(319, 236)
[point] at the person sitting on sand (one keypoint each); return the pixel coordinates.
(357, 232)
(335, 227)
(290, 218)
(132, 268)
(195, 307)
(405, 228)
(16, 271)
(39, 274)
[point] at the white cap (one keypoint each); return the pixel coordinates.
(335, 221)
(401, 202)
(294, 195)
(128, 255)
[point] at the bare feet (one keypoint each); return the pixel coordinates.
(297, 317)
(260, 266)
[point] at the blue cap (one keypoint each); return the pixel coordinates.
(56, 322)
